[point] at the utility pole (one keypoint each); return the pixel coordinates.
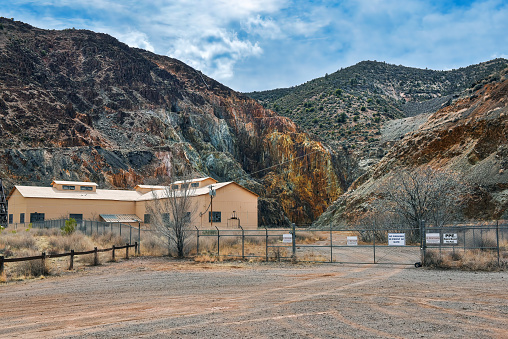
(212, 194)
(3, 206)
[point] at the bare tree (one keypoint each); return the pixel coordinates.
(171, 212)
(434, 195)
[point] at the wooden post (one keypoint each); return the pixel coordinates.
(126, 250)
(135, 247)
(71, 263)
(95, 257)
(1, 264)
(43, 260)
(113, 253)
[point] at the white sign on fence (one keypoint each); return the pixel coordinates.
(287, 238)
(396, 239)
(433, 238)
(352, 241)
(450, 238)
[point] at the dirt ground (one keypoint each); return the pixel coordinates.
(158, 297)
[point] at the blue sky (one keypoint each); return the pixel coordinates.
(264, 44)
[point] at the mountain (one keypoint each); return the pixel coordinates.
(469, 137)
(348, 108)
(79, 105)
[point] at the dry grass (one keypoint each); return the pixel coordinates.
(17, 241)
(153, 245)
(474, 260)
(76, 241)
(31, 268)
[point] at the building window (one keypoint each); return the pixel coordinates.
(77, 217)
(22, 218)
(69, 188)
(195, 184)
(86, 188)
(11, 218)
(185, 186)
(165, 217)
(36, 217)
(216, 217)
(187, 217)
(175, 187)
(147, 219)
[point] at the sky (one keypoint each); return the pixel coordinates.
(253, 45)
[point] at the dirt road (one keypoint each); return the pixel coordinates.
(156, 298)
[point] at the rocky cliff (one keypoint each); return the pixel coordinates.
(78, 105)
(470, 137)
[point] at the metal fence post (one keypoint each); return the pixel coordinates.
(218, 241)
(266, 244)
(331, 245)
(497, 242)
(243, 243)
(374, 244)
(197, 240)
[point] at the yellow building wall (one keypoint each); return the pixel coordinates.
(61, 208)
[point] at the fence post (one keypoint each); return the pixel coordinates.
(71, 263)
(1, 264)
(218, 241)
(126, 250)
(197, 240)
(422, 242)
(139, 238)
(266, 244)
(113, 253)
(43, 261)
(331, 245)
(95, 257)
(243, 242)
(374, 244)
(497, 241)
(135, 248)
(293, 245)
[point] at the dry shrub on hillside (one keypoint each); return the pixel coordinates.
(31, 268)
(45, 232)
(76, 241)
(17, 240)
(474, 260)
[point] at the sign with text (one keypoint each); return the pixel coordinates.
(450, 238)
(433, 238)
(396, 239)
(352, 241)
(287, 238)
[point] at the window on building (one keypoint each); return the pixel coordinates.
(69, 188)
(146, 219)
(11, 218)
(185, 186)
(165, 217)
(216, 217)
(77, 217)
(86, 188)
(195, 184)
(187, 217)
(175, 187)
(22, 218)
(36, 217)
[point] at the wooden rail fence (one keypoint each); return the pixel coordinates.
(71, 254)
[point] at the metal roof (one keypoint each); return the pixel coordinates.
(77, 183)
(120, 217)
(53, 193)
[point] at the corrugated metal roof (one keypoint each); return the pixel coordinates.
(193, 180)
(53, 193)
(120, 217)
(77, 183)
(192, 192)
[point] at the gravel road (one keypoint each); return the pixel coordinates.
(158, 297)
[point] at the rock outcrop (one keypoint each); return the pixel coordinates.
(78, 105)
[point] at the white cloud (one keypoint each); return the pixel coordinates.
(135, 39)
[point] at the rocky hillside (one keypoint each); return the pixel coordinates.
(348, 108)
(77, 105)
(470, 136)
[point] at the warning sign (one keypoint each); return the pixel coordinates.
(352, 241)
(396, 239)
(287, 238)
(450, 238)
(433, 238)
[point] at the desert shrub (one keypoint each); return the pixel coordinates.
(18, 240)
(69, 227)
(455, 256)
(108, 239)
(45, 232)
(31, 268)
(76, 241)
(152, 244)
(433, 259)
(89, 259)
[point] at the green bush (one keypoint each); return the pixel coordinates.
(69, 228)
